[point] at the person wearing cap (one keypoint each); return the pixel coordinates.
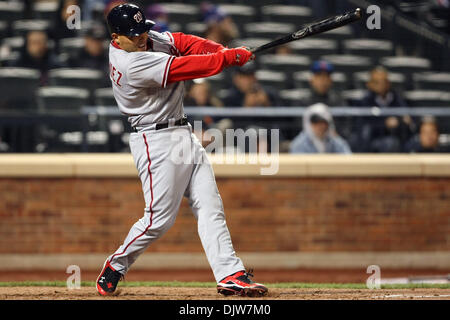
(319, 134)
(246, 91)
(321, 85)
(220, 27)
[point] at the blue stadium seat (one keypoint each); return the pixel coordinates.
(315, 47)
(11, 11)
(427, 98)
(285, 63)
(271, 30)
(432, 81)
(239, 13)
(373, 48)
(349, 64)
(104, 97)
(182, 13)
(297, 15)
(406, 65)
(62, 99)
(272, 79)
(295, 97)
(18, 87)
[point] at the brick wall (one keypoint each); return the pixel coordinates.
(70, 215)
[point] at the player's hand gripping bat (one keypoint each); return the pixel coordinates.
(314, 28)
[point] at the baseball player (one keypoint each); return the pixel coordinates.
(147, 70)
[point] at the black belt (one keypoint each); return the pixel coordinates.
(163, 125)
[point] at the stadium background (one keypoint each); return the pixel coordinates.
(321, 218)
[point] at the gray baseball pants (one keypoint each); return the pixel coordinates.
(171, 164)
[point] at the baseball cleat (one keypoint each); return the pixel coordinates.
(240, 284)
(107, 280)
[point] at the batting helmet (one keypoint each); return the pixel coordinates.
(128, 20)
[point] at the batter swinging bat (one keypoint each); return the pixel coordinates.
(314, 28)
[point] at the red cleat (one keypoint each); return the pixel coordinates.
(239, 283)
(107, 280)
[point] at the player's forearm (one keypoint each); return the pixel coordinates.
(196, 66)
(201, 66)
(190, 44)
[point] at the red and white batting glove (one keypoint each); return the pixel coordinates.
(237, 56)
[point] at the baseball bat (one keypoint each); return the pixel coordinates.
(314, 28)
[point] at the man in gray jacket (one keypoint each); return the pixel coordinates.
(319, 134)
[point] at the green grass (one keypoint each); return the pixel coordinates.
(292, 285)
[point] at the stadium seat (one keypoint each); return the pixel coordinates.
(196, 28)
(22, 27)
(406, 65)
(348, 64)
(398, 80)
(181, 12)
(354, 95)
(285, 63)
(272, 79)
(315, 47)
(340, 34)
(249, 42)
(427, 98)
(11, 11)
(14, 43)
(62, 99)
(45, 10)
(432, 81)
(77, 77)
(71, 47)
(372, 48)
(271, 30)
(217, 81)
(295, 97)
(302, 78)
(18, 86)
(104, 97)
(239, 13)
(3, 29)
(296, 15)
(9, 59)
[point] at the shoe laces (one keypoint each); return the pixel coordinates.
(249, 273)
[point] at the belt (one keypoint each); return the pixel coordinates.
(163, 125)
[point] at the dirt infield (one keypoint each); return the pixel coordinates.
(174, 293)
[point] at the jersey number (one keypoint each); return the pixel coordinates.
(115, 74)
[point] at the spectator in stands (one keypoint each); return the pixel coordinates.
(322, 85)
(94, 54)
(200, 95)
(385, 135)
(246, 91)
(379, 91)
(220, 26)
(427, 141)
(319, 134)
(36, 55)
(158, 14)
